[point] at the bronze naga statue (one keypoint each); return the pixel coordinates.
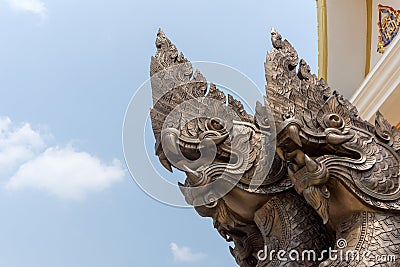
(303, 182)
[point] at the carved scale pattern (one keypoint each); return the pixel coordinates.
(375, 235)
(299, 228)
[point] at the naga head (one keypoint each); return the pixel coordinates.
(209, 135)
(339, 162)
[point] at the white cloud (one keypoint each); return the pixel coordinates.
(33, 6)
(185, 254)
(61, 171)
(17, 144)
(66, 173)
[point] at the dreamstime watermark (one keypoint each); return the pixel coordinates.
(340, 253)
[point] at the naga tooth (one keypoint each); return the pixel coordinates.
(336, 139)
(184, 189)
(280, 153)
(298, 157)
(311, 165)
(180, 184)
(166, 164)
(296, 167)
(293, 133)
(290, 173)
(231, 250)
(294, 181)
(192, 177)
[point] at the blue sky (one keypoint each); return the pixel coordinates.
(68, 70)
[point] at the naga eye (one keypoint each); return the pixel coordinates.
(216, 124)
(386, 134)
(212, 201)
(333, 121)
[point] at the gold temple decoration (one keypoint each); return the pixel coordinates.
(369, 37)
(389, 24)
(322, 39)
